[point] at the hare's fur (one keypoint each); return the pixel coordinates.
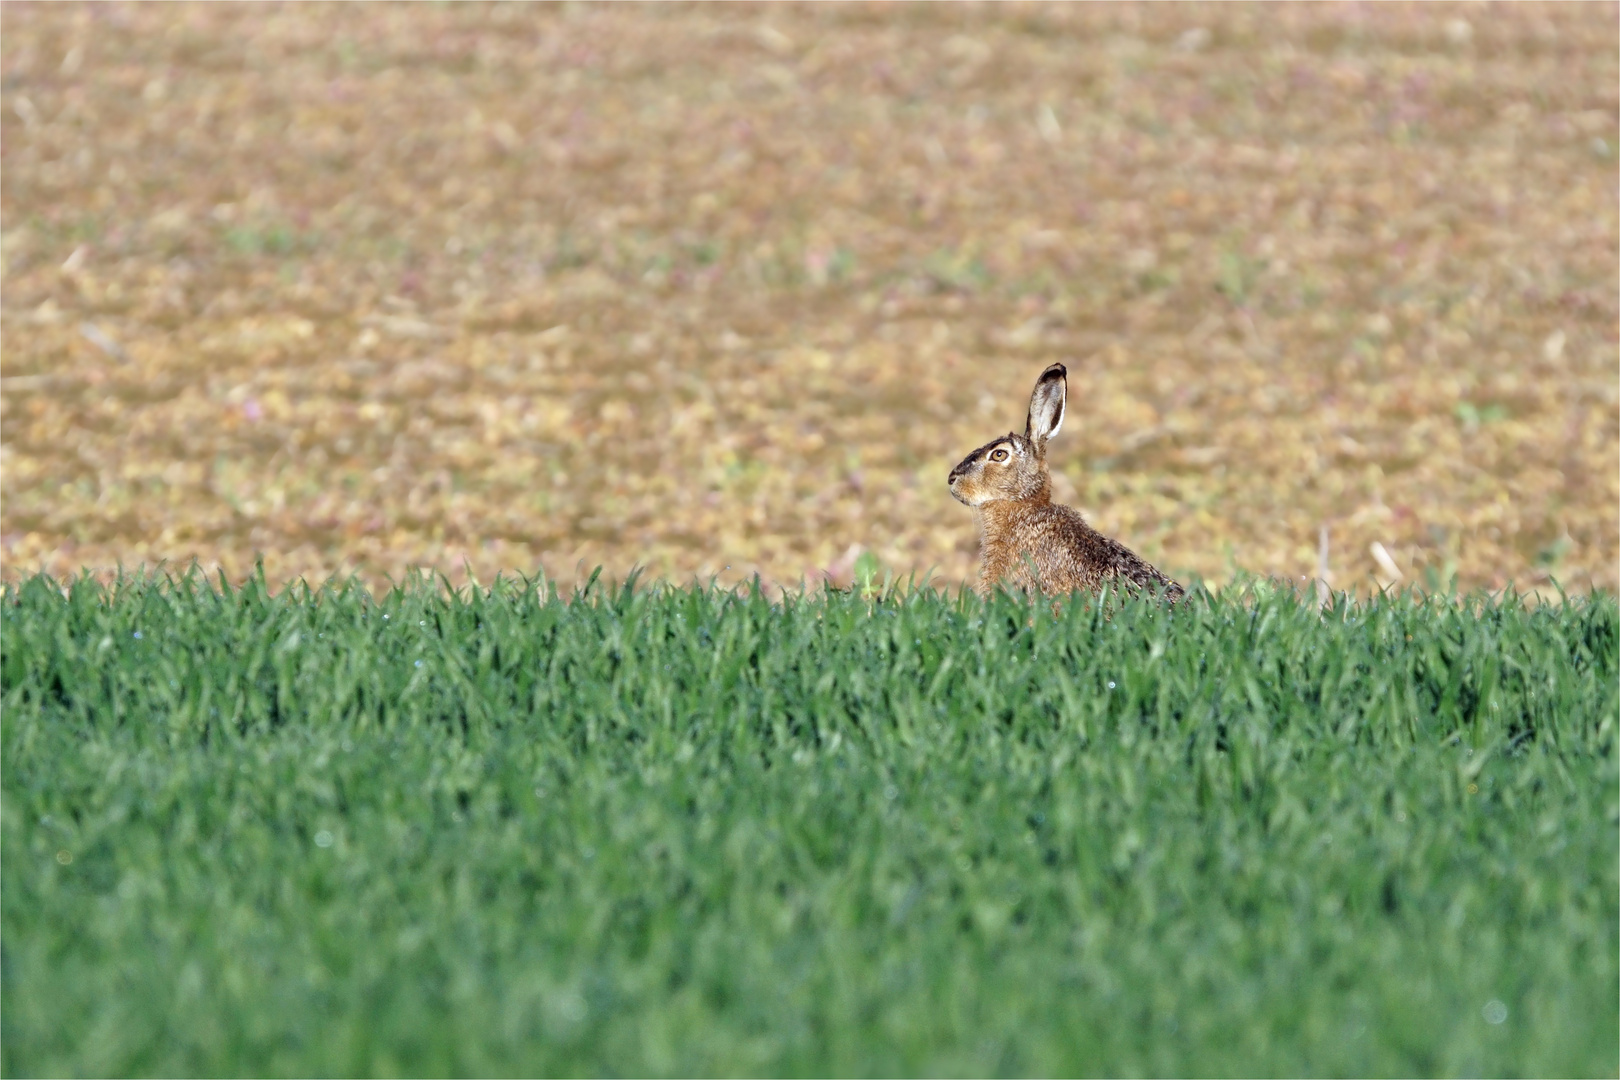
(1025, 539)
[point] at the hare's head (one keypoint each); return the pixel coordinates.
(1013, 467)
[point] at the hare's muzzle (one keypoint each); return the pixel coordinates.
(956, 474)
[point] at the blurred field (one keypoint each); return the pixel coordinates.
(728, 290)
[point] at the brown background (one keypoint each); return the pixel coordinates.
(726, 290)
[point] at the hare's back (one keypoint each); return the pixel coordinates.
(1071, 554)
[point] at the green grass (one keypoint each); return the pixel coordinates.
(682, 831)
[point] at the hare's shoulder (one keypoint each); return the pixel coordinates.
(1057, 518)
(1064, 527)
(1099, 554)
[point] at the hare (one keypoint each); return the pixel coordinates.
(1024, 537)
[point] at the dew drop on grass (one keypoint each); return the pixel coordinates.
(1494, 1012)
(419, 663)
(323, 839)
(137, 635)
(891, 793)
(1110, 684)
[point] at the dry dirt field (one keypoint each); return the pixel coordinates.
(726, 290)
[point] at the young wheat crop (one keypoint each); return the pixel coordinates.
(664, 830)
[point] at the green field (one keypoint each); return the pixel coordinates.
(683, 831)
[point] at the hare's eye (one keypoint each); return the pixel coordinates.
(999, 455)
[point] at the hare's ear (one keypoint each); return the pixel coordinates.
(1047, 405)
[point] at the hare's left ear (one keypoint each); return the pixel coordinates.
(1047, 406)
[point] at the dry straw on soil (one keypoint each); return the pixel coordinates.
(726, 290)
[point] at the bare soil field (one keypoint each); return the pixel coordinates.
(728, 290)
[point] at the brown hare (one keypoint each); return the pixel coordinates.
(1027, 540)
